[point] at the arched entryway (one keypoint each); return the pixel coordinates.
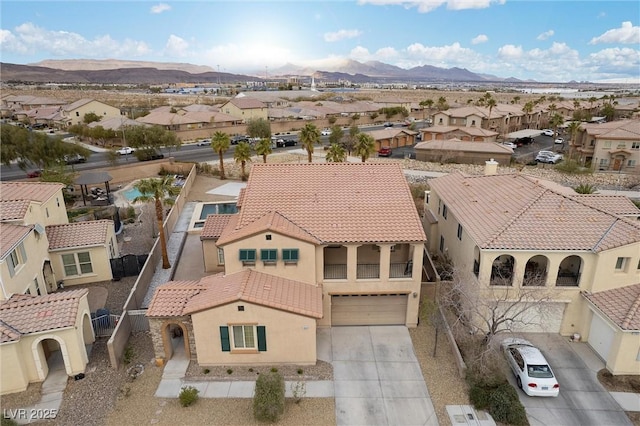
(569, 271)
(502, 270)
(535, 272)
(49, 354)
(175, 338)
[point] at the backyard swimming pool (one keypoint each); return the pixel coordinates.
(131, 194)
(205, 209)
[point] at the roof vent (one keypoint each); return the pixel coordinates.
(490, 167)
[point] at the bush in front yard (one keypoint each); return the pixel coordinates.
(505, 406)
(188, 396)
(268, 401)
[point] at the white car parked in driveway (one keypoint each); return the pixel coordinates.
(533, 373)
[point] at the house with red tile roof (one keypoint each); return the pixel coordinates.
(392, 137)
(508, 234)
(612, 146)
(245, 108)
(313, 245)
(35, 329)
(40, 249)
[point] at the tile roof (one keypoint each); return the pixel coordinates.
(615, 204)
(79, 103)
(11, 236)
(458, 145)
(622, 129)
(171, 298)
(214, 224)
(472, 131)
(246, 103)
(32, 191)
(512, 211)
(621, 305)
(188, 297)
(390, 132)
(78, 234)
(271, 221)
(13, 209)
(334, 202)
(24, 314)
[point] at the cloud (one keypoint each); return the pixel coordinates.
(176, 46)
(626, 34)
(30, 39)
(510, 52)
(545, 35)
(480, 38)
(426, 6)
(341, 35)
(160, 7)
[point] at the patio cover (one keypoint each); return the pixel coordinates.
(93, 178)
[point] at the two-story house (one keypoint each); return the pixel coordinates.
(511, 234)
(74, 112)
(313, 245)
(612, 146)
(245, 108)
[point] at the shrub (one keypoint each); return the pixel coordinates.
(585, 188)
(300, 371)
(572, 167)
(274, 370)
(129, 353)
(250, 370)
(505, 406)
(206, 371)
(229, 371)
(268, 400)
(188, 396)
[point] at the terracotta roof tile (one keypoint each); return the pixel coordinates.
(8, 333)
(271, 221)
(214, 225)
(621, 305)
(514, 212)
(259, 288)
(335, 202)
(13, 209)
(78, 234)
(247, 103)
(33, 191)
(11, 236)
(26, 314)
(615, 204)
(187, 297)
(171, 298)
(456, 145)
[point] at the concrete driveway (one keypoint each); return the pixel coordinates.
(582, 400)
(377, 378)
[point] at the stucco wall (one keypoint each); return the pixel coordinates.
(100, 264)
(37, 252)
(12, 379)
(291, 338)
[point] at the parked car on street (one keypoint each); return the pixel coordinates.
(34, 174)
(74, 159)
(547, 132)
(549, 157)
(125, 150)
(532, 371)
(388, 124)
(523, 141)
(385, 151)
(286, 142)
(204, 142)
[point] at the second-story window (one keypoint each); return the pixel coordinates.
(290, 255)
(460, 232)
(16, 259)
(269, 255)
(444, 211)
(248, 256)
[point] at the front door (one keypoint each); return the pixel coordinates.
(617, 163)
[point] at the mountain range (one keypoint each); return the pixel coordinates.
(89, 71)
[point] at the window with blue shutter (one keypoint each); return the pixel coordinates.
(290, 255)
(248, 256)
(262, 338)
(224, 338)
(269, 255)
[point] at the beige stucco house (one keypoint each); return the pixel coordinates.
(467, 134)
(511, 235)
(245, 108)
(74, 113)
(38, 331)
(328, 248)
(457, 151)
(612, 146)
(391, 137)
(40, 250)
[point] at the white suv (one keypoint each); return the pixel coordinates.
(549, 157)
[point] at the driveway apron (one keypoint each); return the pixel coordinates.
(377, 378)
(582, 401)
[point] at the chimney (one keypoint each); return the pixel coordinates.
(490, 167)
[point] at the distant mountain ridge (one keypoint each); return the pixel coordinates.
(92, 71)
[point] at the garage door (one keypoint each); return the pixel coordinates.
(601, 336)
(544, 317)
(388, 309)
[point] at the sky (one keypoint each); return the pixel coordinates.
(542, 40)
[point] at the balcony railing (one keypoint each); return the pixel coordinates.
(401, 270)
(335, 271)
(568, 280)
(368, 271)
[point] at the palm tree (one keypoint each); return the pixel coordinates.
(220, 143)
(336, 153)
(264, 148)
(491, 103)
(365, 146)
(160, 191)
(572, 128)
(242, 154)
(309, 136)
(555, 122)
(442, 104)
(426, 103)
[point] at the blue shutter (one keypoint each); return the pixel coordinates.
(262, 338)
(224, 338)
